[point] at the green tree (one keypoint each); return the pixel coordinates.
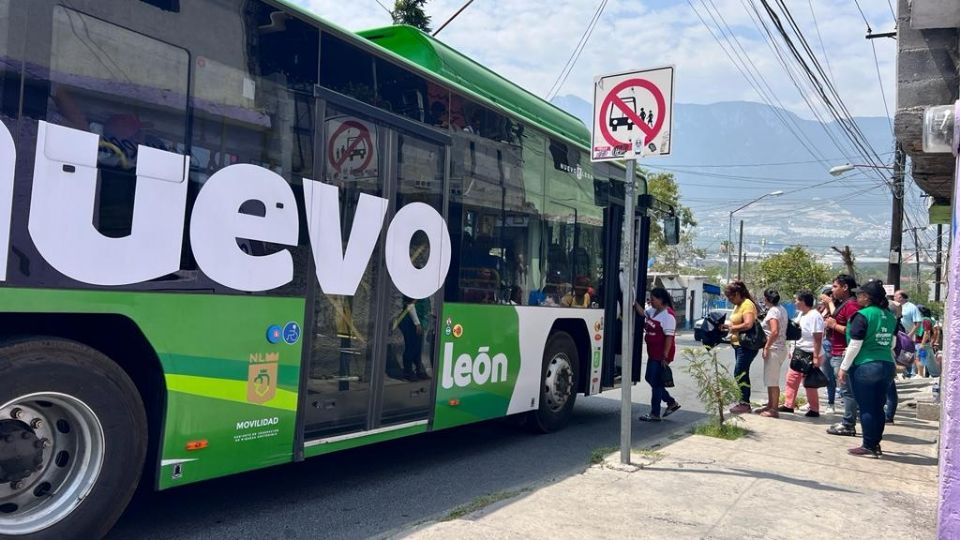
(792, 270)
(411, 12)
(664, 187)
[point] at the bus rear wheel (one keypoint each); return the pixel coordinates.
(558, 384)
(72, 440)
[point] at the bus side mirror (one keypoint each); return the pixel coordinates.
(671, 230)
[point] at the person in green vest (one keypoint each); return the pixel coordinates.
(868, 361)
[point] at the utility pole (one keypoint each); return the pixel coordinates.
(939, 270)
(896, 221)
(916, 244)
(740, 253)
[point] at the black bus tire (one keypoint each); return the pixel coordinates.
(558, 384)
(76, 393)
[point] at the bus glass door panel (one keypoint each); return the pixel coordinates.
(411, 342)
(347, 321)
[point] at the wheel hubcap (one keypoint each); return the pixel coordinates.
(51, 454)
(558, 383)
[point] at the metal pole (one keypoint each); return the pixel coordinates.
(896, 222)
(729, 246)
(916, 244)
(626, 380)
(939, 271)
(740, 253)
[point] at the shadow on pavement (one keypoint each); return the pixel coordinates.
(373, 490)
(758, 474)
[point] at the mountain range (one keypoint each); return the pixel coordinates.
(727, 154)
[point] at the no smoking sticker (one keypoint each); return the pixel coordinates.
(633, 114)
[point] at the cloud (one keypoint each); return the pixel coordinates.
(529, 42)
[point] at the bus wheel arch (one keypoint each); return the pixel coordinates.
(118, 338)
(85, 427)
(561, 375)
(578, 331)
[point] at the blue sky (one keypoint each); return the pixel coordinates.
(529, 43)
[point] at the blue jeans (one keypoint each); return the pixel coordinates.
(847, 394)
(741, 371)
(654, 377)
(893, 399)
(827, 368)
(871, 383)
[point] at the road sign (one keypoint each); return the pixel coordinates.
(351, 148)
(632, 114)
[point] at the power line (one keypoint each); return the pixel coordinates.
(751, 79)
(869, 30)
(822, 84)
(385, 8)
(761, 25)
(572, 61)
(816, 26)
(452, 17)
(892, 12)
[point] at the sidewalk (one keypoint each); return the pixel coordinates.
(787, 478)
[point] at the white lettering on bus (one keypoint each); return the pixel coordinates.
(247, 424)
(62, 211)
(62, 216)
(216, 223)
(8, 162)
(468, 370)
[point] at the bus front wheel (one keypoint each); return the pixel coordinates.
(73, 438)
(558, 384)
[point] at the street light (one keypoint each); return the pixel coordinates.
(730, 229)
(840, 169)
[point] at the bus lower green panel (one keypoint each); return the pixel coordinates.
(479, 363)
(227, 384)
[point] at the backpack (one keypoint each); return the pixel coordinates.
(713, 334)
(793, 331)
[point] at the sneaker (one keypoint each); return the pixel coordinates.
(830, 409)
(812, 414)
(648, 418)
(840, 429)
(865, 452)
(784, 408)
(672, 408)
(740, 408)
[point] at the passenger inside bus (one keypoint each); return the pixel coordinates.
(580, 296)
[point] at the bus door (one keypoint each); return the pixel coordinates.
(374, 339)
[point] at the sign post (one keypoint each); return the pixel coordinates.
(632, 118)
(627, 312)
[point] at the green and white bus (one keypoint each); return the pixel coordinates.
(233, 235)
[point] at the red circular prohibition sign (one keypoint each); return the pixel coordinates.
(613, 99)
(363, 136)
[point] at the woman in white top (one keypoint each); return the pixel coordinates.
(808, 346)
(774, 351)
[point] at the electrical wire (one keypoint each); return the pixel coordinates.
(751, 79)
(575, 55)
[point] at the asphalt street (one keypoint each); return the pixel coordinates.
(384, 489)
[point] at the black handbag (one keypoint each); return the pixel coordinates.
(801, 361)
(754, 338)
(666, 376)
(816, 378)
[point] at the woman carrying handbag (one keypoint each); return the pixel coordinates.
(660, 328)
(807, 355)
(741, 324)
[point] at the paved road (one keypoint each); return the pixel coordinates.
(384, 489)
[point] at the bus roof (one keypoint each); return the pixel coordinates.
(449, 64)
